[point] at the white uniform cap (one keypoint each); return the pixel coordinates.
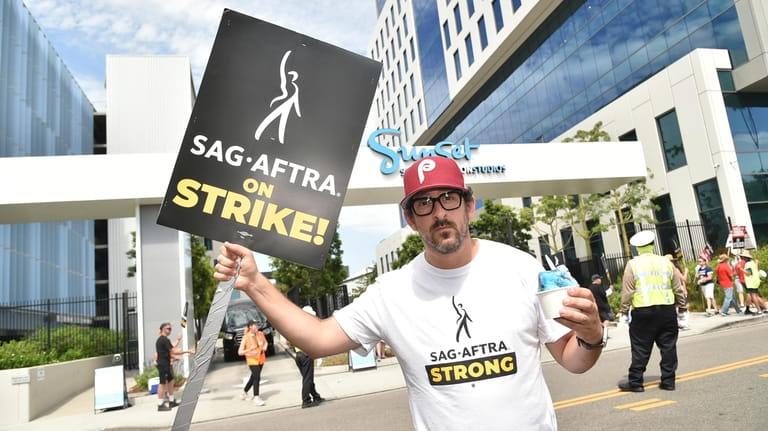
(642, 238)
(309, 310)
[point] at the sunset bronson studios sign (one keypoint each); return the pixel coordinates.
(269, 148)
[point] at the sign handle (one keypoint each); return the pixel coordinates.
(203, 356)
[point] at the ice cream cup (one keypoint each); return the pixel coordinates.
(552, 301)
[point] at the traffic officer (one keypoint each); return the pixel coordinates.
(654, 293)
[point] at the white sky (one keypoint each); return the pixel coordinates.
(83, 32)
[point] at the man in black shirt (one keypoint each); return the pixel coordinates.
(165, 349)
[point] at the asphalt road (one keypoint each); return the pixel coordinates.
(722, 384)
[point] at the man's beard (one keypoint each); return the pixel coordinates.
(445, 247)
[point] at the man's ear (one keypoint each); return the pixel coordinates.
(409, 219)
(470, 207)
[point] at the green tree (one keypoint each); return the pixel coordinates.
(630, 203)
(132, 256)
(203, 283)
(502, 223)
(548, 217)
(371, 273)
(597, 134)
(312, 283)
(412, 246)
(589, 207)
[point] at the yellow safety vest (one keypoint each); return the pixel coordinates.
(653, 281)
(752, 281)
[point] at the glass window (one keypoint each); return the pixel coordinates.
(756, 188)
(666, 227)
(711, 211)
(671, 140)
(418, 111)
(569, 249)
(496, 4)
(526, 201)
(664, 211)
(446, 35)
(413, 49)
(470, 53)
(515, 5)
(567, 57)
(545, 250)
(470, 7)
(457, 63)
(629, 228)
(596, 241)
(726, 81)
(759, 213)
(405, 26)
(483, 34)
(630, 136)
(457, 18)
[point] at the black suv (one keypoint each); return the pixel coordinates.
(239, 313)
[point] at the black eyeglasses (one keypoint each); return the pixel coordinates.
(167, 328)
(425, 205)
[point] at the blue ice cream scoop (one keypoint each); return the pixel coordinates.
(558, 277)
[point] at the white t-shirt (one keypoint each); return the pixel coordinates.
(468, 340)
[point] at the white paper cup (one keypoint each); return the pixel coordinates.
(552, 301)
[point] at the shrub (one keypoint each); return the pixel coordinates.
(142, 380)
(67, 343)
(25, 353)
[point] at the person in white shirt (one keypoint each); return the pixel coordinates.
(462, 317)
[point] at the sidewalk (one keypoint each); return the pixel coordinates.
(281, 388)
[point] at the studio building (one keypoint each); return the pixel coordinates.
(687, 79)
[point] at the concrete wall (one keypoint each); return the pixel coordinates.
(164, 273)
(28, 393)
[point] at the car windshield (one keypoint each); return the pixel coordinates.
(239, 317)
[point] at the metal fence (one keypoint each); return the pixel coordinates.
(684, 240)
(57, 322)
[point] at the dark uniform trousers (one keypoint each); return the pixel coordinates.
(307, 368)
(649, 325)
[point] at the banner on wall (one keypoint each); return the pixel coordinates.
(269, 148)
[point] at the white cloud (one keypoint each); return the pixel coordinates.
(188, 27)
(83, 32)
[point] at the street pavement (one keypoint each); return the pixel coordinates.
(281, 388)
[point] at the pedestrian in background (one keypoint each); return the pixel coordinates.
(306, 365)
(165, 351)
(725, 280)
(254, 347)
(738, 280)
(653, 291)
(752, 282)
(705, 279)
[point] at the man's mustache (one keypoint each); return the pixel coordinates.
(443, 223)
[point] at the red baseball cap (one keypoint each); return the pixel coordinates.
(430, 173)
